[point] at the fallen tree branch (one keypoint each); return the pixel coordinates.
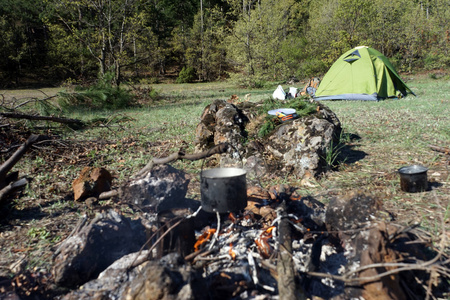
(9, 164)
(429, 266)
(444, 150)
(346, 278)
(33, 100)
(218, 149)
(13, 186)
(42, 118)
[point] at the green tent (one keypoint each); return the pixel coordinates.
(362, 73)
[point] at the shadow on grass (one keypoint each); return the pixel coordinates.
(9, 213)
(347, 153)
(433, 185)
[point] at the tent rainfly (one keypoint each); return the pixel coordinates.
(362, 73)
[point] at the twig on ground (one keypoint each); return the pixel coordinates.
(445, 150)
(33, 100)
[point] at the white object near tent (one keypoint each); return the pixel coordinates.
(279, 93)
(293, 91)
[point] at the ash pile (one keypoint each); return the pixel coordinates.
(281, 246)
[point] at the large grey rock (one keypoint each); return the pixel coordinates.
(296, 147)
(161, 188)
(94, 246)
(135, 277)
(220, 122)
(303, 143)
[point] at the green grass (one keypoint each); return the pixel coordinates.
(392, 134)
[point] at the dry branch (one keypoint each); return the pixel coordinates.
(33, 100)
(9, 164)
(9, 185)
(287, 287)
(13, 186)
(221, 148)
(445, 150)
(218, 149)
(42, 118)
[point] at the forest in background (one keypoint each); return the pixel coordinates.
(52, 42)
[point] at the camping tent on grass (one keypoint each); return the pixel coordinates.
(362, 73)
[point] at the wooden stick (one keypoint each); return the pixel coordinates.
(9, 164)
(444, 150)
(4, 192)
(287, 287)
(221, 148)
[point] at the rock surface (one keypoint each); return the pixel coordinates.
(220, 122)
(94, 246)
(149, 280)
(298, 146)
(91, 182)
(161, 188)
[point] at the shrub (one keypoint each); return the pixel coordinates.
(186, 75)
(102, 95)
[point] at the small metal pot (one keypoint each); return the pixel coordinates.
(223, 189)
(413, 179)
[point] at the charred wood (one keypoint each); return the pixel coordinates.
(9, 164)
(287, 283)
(9, 182)
(10, 188)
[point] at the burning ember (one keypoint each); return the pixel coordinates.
(205, 237)
(262, 242)
(231, 252)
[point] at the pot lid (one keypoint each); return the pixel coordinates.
(415, 169)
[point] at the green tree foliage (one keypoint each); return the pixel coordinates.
(411, 32)
(206, 48)
(252, 41)
(258, 40)
(170, 22)
(23, 40)
(107, 30)
(339, 25)
(187, 75)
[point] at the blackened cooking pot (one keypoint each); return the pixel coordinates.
(223, 189)
(413, 178)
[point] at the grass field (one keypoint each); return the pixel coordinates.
(383, 136)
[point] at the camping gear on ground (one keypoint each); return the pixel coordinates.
(293, 92)
(413, 178)
(361, 73)
(284, 114)
(223, 189)
(279, 93)
(311, 87)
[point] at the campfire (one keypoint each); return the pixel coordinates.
(281, 246)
